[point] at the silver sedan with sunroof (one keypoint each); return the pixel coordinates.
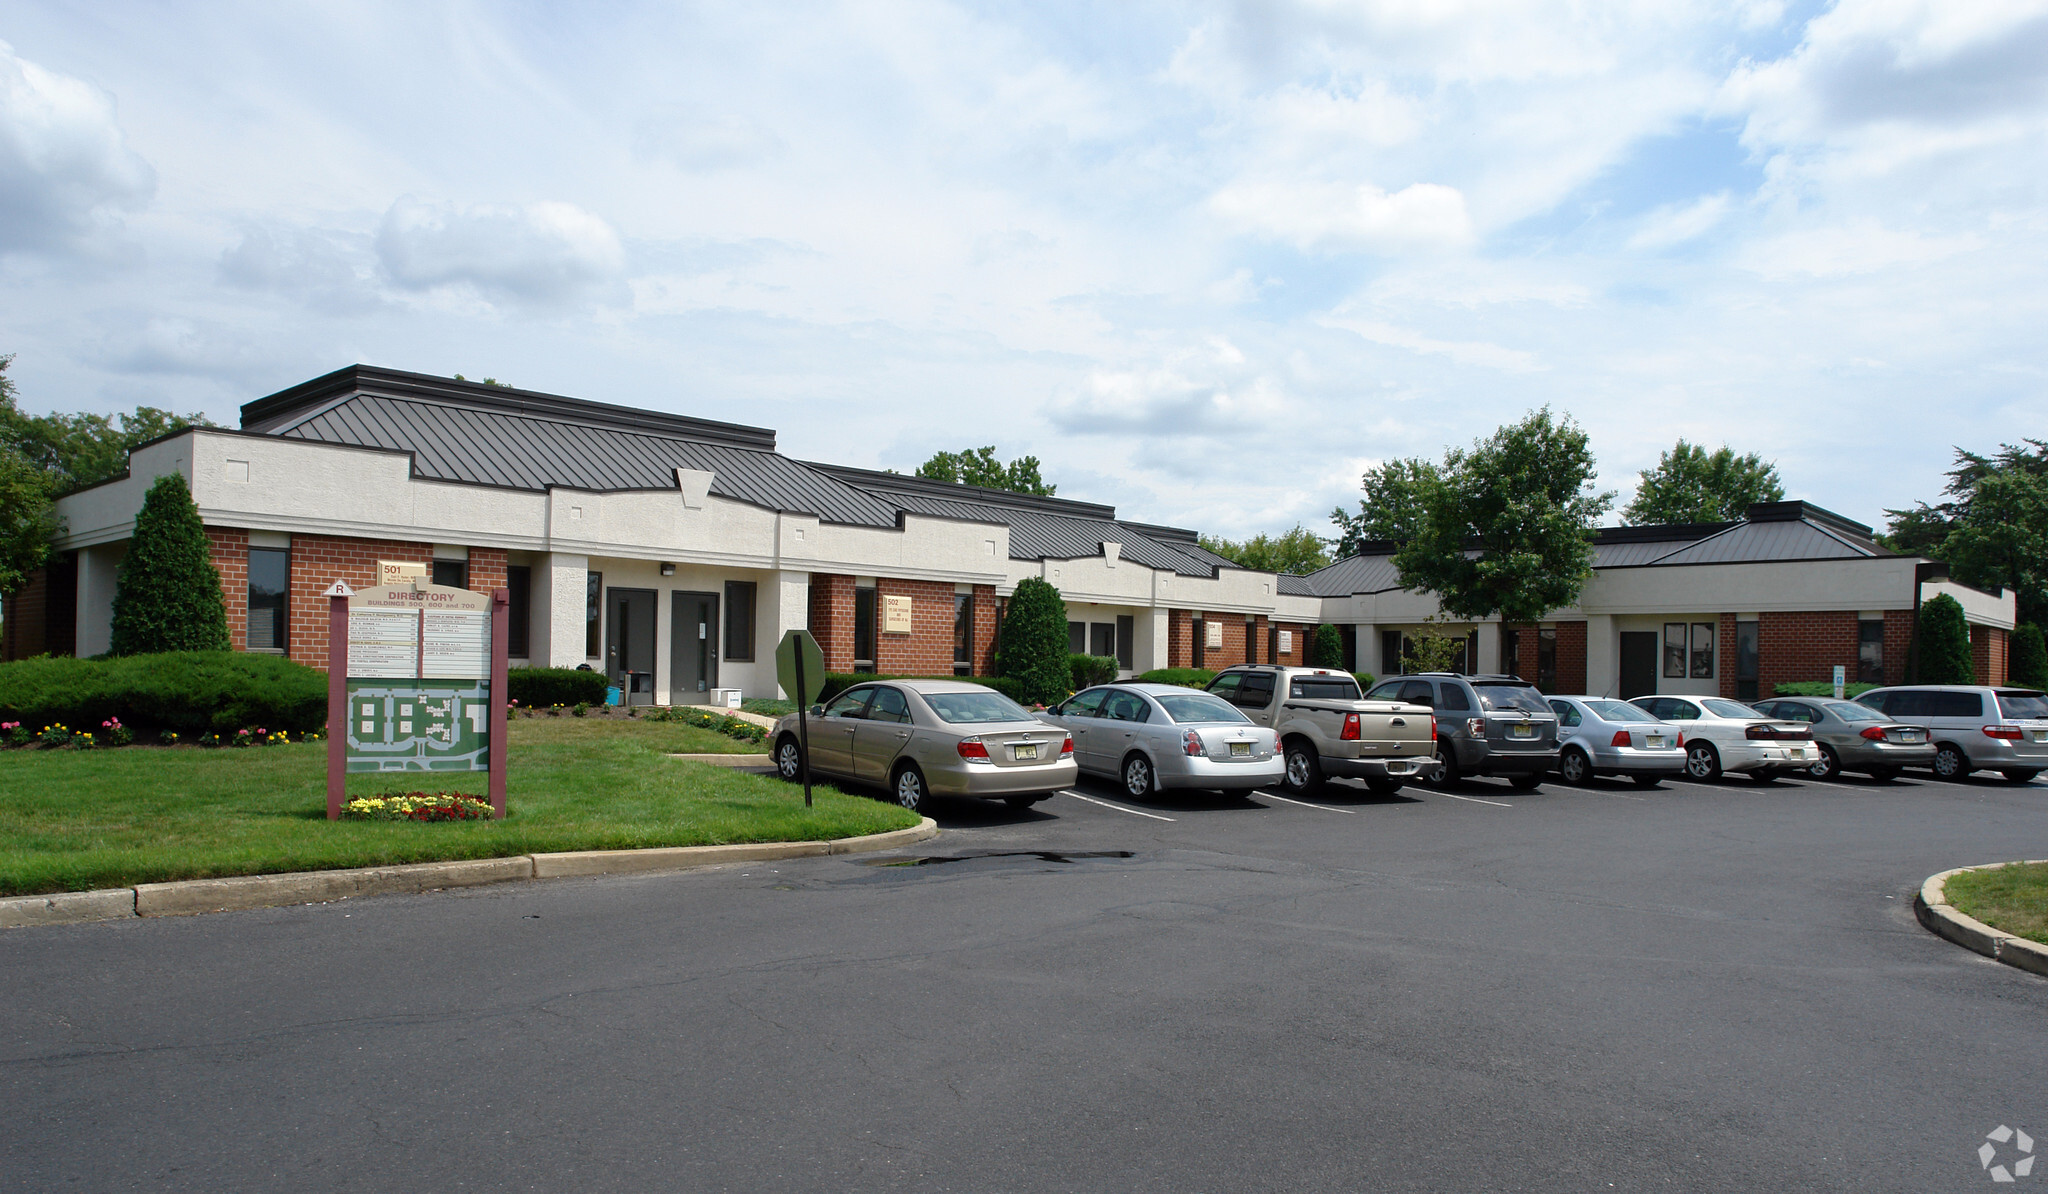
(919, 738)
(1148, 737)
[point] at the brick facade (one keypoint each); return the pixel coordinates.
(928, 649)
(987, 627)
(831, 619)
(24, 631)
(1571, 657)
(1180, 638)
(229, 547)
(1989, 653)
(1898, 644)
(1791, 647)
(1724, 662)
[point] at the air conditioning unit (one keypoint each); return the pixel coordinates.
(725, 698)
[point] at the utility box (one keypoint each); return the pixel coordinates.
(725, 698)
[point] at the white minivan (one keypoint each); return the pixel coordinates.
(1975, 727)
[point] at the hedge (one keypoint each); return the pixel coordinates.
(2029, 657)
(1032, 649)
(838, 682)
(1819, 688)
(191, 692)
(1186, 677)
(542, 687)
(1944, 643)
(1090, 670)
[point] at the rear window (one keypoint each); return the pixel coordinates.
(1721, 708)
(1323, 688)
(1198, 706)
(1938, 704)
(1617, 711)
(1850, 712)
(1518, 698)
(966, 708)
(2022, 706)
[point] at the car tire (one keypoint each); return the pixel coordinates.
(789, 759)
(1304, 769)
(1702, 761)
(1828, 766)
(1447, 773)
(1138, 778)
(1950, 763)
(1528, 781)
(1383, 787)
(908, 787)
(1647, 781)
(1884, 775)
(2020, 775)
(1574, 768)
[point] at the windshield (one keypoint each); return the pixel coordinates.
(1199, 706)
(1323, 688)
(2023, 706)
(1520, 698)
(974, 707)
(1721, 708)
(1849, 712)
(1617, 711)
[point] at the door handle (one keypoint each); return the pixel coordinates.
(903, 733)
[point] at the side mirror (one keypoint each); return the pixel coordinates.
(817, 710)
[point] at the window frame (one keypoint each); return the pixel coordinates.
(282, 623)
(1702, 659)
(1675, 651)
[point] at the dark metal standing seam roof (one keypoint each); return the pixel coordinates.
(519, 451)
(1756, 542)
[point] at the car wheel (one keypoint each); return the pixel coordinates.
(2020, 775)
(1884, 775)
(1573, 767)
(1138, 776)
(1646, 781)
(1702, 761)
(1304, 770)
(1949, 762)
(789, 760)
(1526, 782)
(910, 787)
(1828, 766)
(1447, 773)
(1383, 787)
(1764, 775)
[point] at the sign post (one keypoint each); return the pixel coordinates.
(1841, 678)
(416, 681)
(800, 669)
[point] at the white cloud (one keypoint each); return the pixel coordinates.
(695, 141)
(1862, 247)
(1340, 216)
(533, 252)
(1462, 352)
(65, 168)
(1676, 224)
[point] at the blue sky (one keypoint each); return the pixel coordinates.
(1207, 261)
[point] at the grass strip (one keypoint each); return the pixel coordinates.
(2011, 898)
(79, 820)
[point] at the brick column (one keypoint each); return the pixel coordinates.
(928, 649)
(1180, 638)
(1898, 644)
(320, 560)
(987, 627)
(487, 569)
(832, 618)
(1571, 657)
(1988, 654)
(1724, 657)
(229, 547)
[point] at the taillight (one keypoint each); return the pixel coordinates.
(1874, 733)
(1191, 744)
(1620, 738)
(1759, 731)
(1476, 726)
(2009, 733)
(971, 748)
(1681, 739)
(1350, 732)
(1432, 727)
(1066, 746)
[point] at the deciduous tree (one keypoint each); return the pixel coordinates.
(979, 466)
(1295, 552)
(1691, 484)
(1392, 509)
(1993, 529)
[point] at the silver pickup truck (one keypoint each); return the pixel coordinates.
(1327, 727)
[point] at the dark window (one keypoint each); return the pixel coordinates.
(1454, 697)
(1389, 691)
(1416, 692)
(1511, 651)
(889, 706)
(1390, 652)
(1257, 692)
(1324, 688)
(1870, 651)
(1201, 641)
(1745, 661)
(1077, 638)
(1126, 633)
(453, 574)
(963, 634)
(1702, 650)
(593, 611)
(1126, 706)
(1226, 685)
(1674, 650)
(852, 703)
(1251, 640)
(739, 619)
(1546, 660)
(518, 611)
(864, 630)
(1102, 638)
(270, 582)
(1084, 704)
(1953, 704)
(1347, 647)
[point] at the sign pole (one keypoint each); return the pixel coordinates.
(337, 696)
(803, 726)
(501, 637)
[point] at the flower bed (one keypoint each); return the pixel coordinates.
(416, 806)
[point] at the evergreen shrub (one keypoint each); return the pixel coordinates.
(1086, 671)
(1819, 688)
(1033, 647)
(546, 687)
(1186, 677)
(167, 596)
(1327, 648)
(190, 692)
(1944, 643)
(2029, 657)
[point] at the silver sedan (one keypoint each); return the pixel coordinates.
(931, 737)
(1602, 736)
(1150, 737)
(1855, 737)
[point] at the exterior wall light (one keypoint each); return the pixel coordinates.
(668, 569)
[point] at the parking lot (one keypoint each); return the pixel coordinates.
(1704, 986)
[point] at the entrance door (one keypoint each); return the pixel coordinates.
(692, 647)
(629, 643)
(1638, 663)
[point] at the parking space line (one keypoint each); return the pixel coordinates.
(1475, 800)
(1349, 812)
(1118, 807)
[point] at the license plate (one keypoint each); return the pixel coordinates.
(1521, 731)
(2038, 735)
(1240, 748)
(1915, 736)
(1024, 752)
(1795, 752)
(1654, 741)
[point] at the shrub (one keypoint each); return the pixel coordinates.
(167, 596)
(1033, 647)
(1326, 649)
(192, 692)
(1186, 677)
(1944, 643)
(1086, 671)
(1365, 680)
(542, 687)
(1818, 688)
(2029, 657)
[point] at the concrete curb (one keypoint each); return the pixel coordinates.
(193, 897)
(1938, 916)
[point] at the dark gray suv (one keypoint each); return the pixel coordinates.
(1485, 725)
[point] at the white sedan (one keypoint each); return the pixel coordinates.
(1724, 735)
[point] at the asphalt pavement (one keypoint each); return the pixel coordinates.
(1698, 987)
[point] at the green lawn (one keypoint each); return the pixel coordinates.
(77, 820)
(2013, 898)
